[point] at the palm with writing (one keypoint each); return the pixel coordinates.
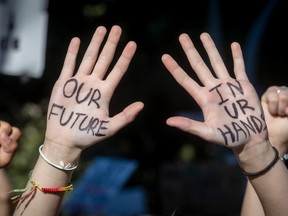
(231, 107)
(78, 111)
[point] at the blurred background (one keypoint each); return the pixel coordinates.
(151, 169)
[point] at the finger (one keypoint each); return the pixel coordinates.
(126, 116)
(181, 77)
(9, 137)
(238, 60)
(270, 99)
(5, 140)
(70, 59)
(5, 127)
(214, 56)
(193, 127)
(8, 149)
(282, 93)
(91, 54)
(276, 99)
(108, 52)
(121, 66)
(8, 145)
(16, 133)
(195, 59)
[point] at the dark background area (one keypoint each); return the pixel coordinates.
(155, 26)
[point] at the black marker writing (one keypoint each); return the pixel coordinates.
(95, 126)
(237, 110)
(232, 88)
(252, 124)
(238, 88)
(242, 104)
(81, 121)
(72, 88)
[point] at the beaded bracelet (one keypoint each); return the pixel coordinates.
(61, 165)
(273, 162)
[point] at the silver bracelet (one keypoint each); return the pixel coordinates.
(61, 165)
(285, 157)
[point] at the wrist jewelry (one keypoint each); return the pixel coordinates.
(268, 167)
(52, 190)
(61, 165)
(33, 187)
(285, 159)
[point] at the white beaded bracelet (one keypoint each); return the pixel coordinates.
(61, 165)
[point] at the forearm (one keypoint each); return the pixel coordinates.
(272, 190)
(251, 205)
(271, 187)
(5, 187)
(46, 176)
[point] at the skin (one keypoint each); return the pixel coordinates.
(275, 107)
(66, 142)
(9, 137)
(253, 151)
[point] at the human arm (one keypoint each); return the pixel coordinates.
(233, 118)
(275, 106)
(78, 116)
(5, 187)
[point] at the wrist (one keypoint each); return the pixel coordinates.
(256, 158)
(60, 155)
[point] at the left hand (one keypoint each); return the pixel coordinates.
(78, 113)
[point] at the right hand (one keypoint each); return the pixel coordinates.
(275, 105)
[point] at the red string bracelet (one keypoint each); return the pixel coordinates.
(53, 190)
(15, 199)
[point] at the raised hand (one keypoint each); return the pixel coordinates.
(78, 117)
(78, 113)
(231, 107)
(275, 105)
(9, 136)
